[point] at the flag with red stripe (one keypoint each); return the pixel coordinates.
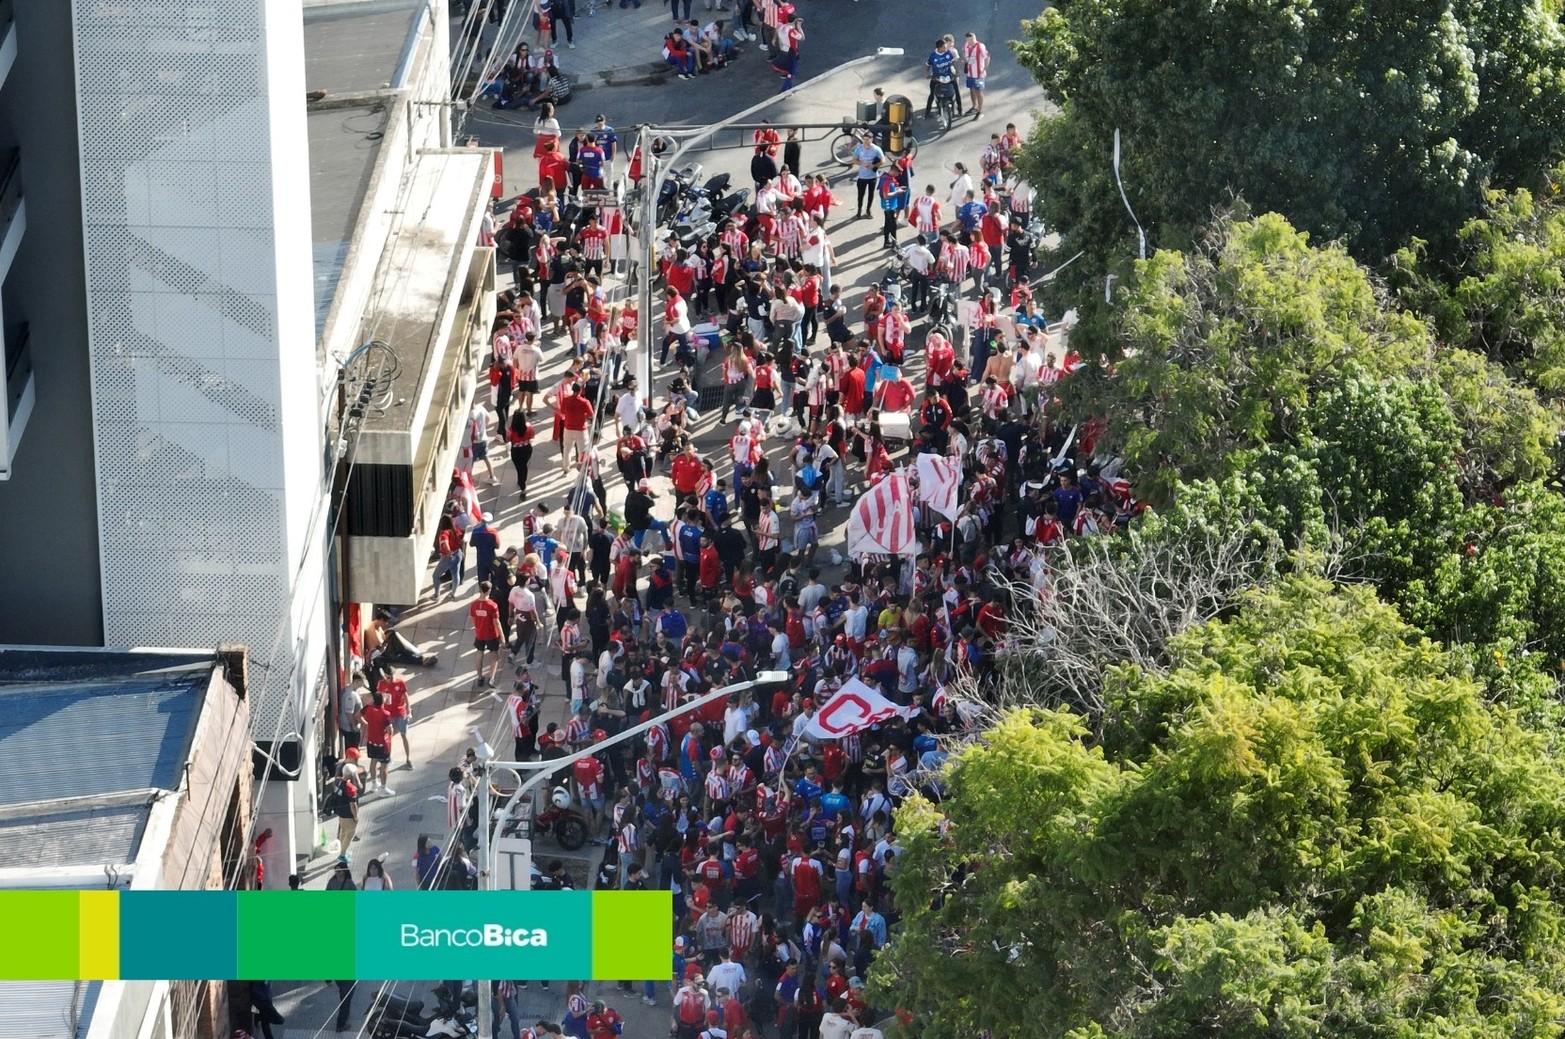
(881, 522)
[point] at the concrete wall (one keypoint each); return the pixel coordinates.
(48, 509)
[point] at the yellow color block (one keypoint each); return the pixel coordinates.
(98, 936)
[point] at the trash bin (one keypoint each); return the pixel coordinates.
(866, 112)
(899, 113)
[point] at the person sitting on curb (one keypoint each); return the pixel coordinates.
(677, 52)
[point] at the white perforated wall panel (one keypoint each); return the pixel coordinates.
(202, 360)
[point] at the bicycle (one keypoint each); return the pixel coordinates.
(842, 146)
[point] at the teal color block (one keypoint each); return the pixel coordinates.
(417, 935)
(178, 935)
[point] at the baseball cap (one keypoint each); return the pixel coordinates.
(599, 118)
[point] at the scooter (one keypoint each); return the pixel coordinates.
(562, 821)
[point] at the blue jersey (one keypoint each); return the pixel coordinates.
(971, 214)
(941, 63)
(607, 140)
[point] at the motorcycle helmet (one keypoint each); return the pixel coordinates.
(598, 735)
(561, 797)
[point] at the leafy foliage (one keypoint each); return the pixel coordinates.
(1312, 824)
(1374, 120)
(1228, 349)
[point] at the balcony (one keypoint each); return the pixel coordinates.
(7, 38)
(19, 394)
(13, 207)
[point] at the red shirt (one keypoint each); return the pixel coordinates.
(485, 613)
(575, 411)
(711, 568)
(687, 474)
(853, 391)
(588, 773)
(395, 690)
(377, 723)
(682, 277)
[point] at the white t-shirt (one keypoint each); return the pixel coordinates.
(835, 1026)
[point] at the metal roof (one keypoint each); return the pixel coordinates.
(97, 734)
(47, 1009)
(91, 831)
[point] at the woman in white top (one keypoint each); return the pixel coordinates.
(546, 128)
(959, 187)
(375, 878)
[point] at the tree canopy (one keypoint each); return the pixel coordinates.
(1312, 823)
(1375, 121)
(1245, 341)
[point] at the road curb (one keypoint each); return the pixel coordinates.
(632, 76)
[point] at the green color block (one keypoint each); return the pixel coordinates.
(177, 935)
(297, 935)
(632, 935)
(40, 930)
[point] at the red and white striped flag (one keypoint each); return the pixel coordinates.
(939, 478)
(881, 522)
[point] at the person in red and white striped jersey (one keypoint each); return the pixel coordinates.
(594, 243)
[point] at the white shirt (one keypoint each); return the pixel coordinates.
(835, 1026)
(522, 601)
(628, 411)
(810, 595)
(726, 975)
(681, 323)
(919, 258)
(856, 621)
(815, 245)
(959, 189)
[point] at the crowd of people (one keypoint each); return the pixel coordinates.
(776, 840)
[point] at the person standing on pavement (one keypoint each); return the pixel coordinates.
(575, 412)
(867, 159)
(560, 13)
(975, 66)
(485, 618)
(377, 741)
(893, 197)
(505, 1007)
(395, 689)
(350, 717)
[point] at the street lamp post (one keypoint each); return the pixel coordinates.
(540, 771)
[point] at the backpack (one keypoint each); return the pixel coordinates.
(333, 798)
(691, 1012)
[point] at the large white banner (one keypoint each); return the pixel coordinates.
(853, 708)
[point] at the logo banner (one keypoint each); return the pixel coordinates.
(853, 708)
(304, 935)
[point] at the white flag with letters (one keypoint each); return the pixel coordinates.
(853, 708)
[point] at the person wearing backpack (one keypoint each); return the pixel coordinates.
(690, 1006)
(341, 799)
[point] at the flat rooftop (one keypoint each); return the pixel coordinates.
(349, 49)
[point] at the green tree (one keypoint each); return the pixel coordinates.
(1226, 349)
(1311, 824)
(1375, 121)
